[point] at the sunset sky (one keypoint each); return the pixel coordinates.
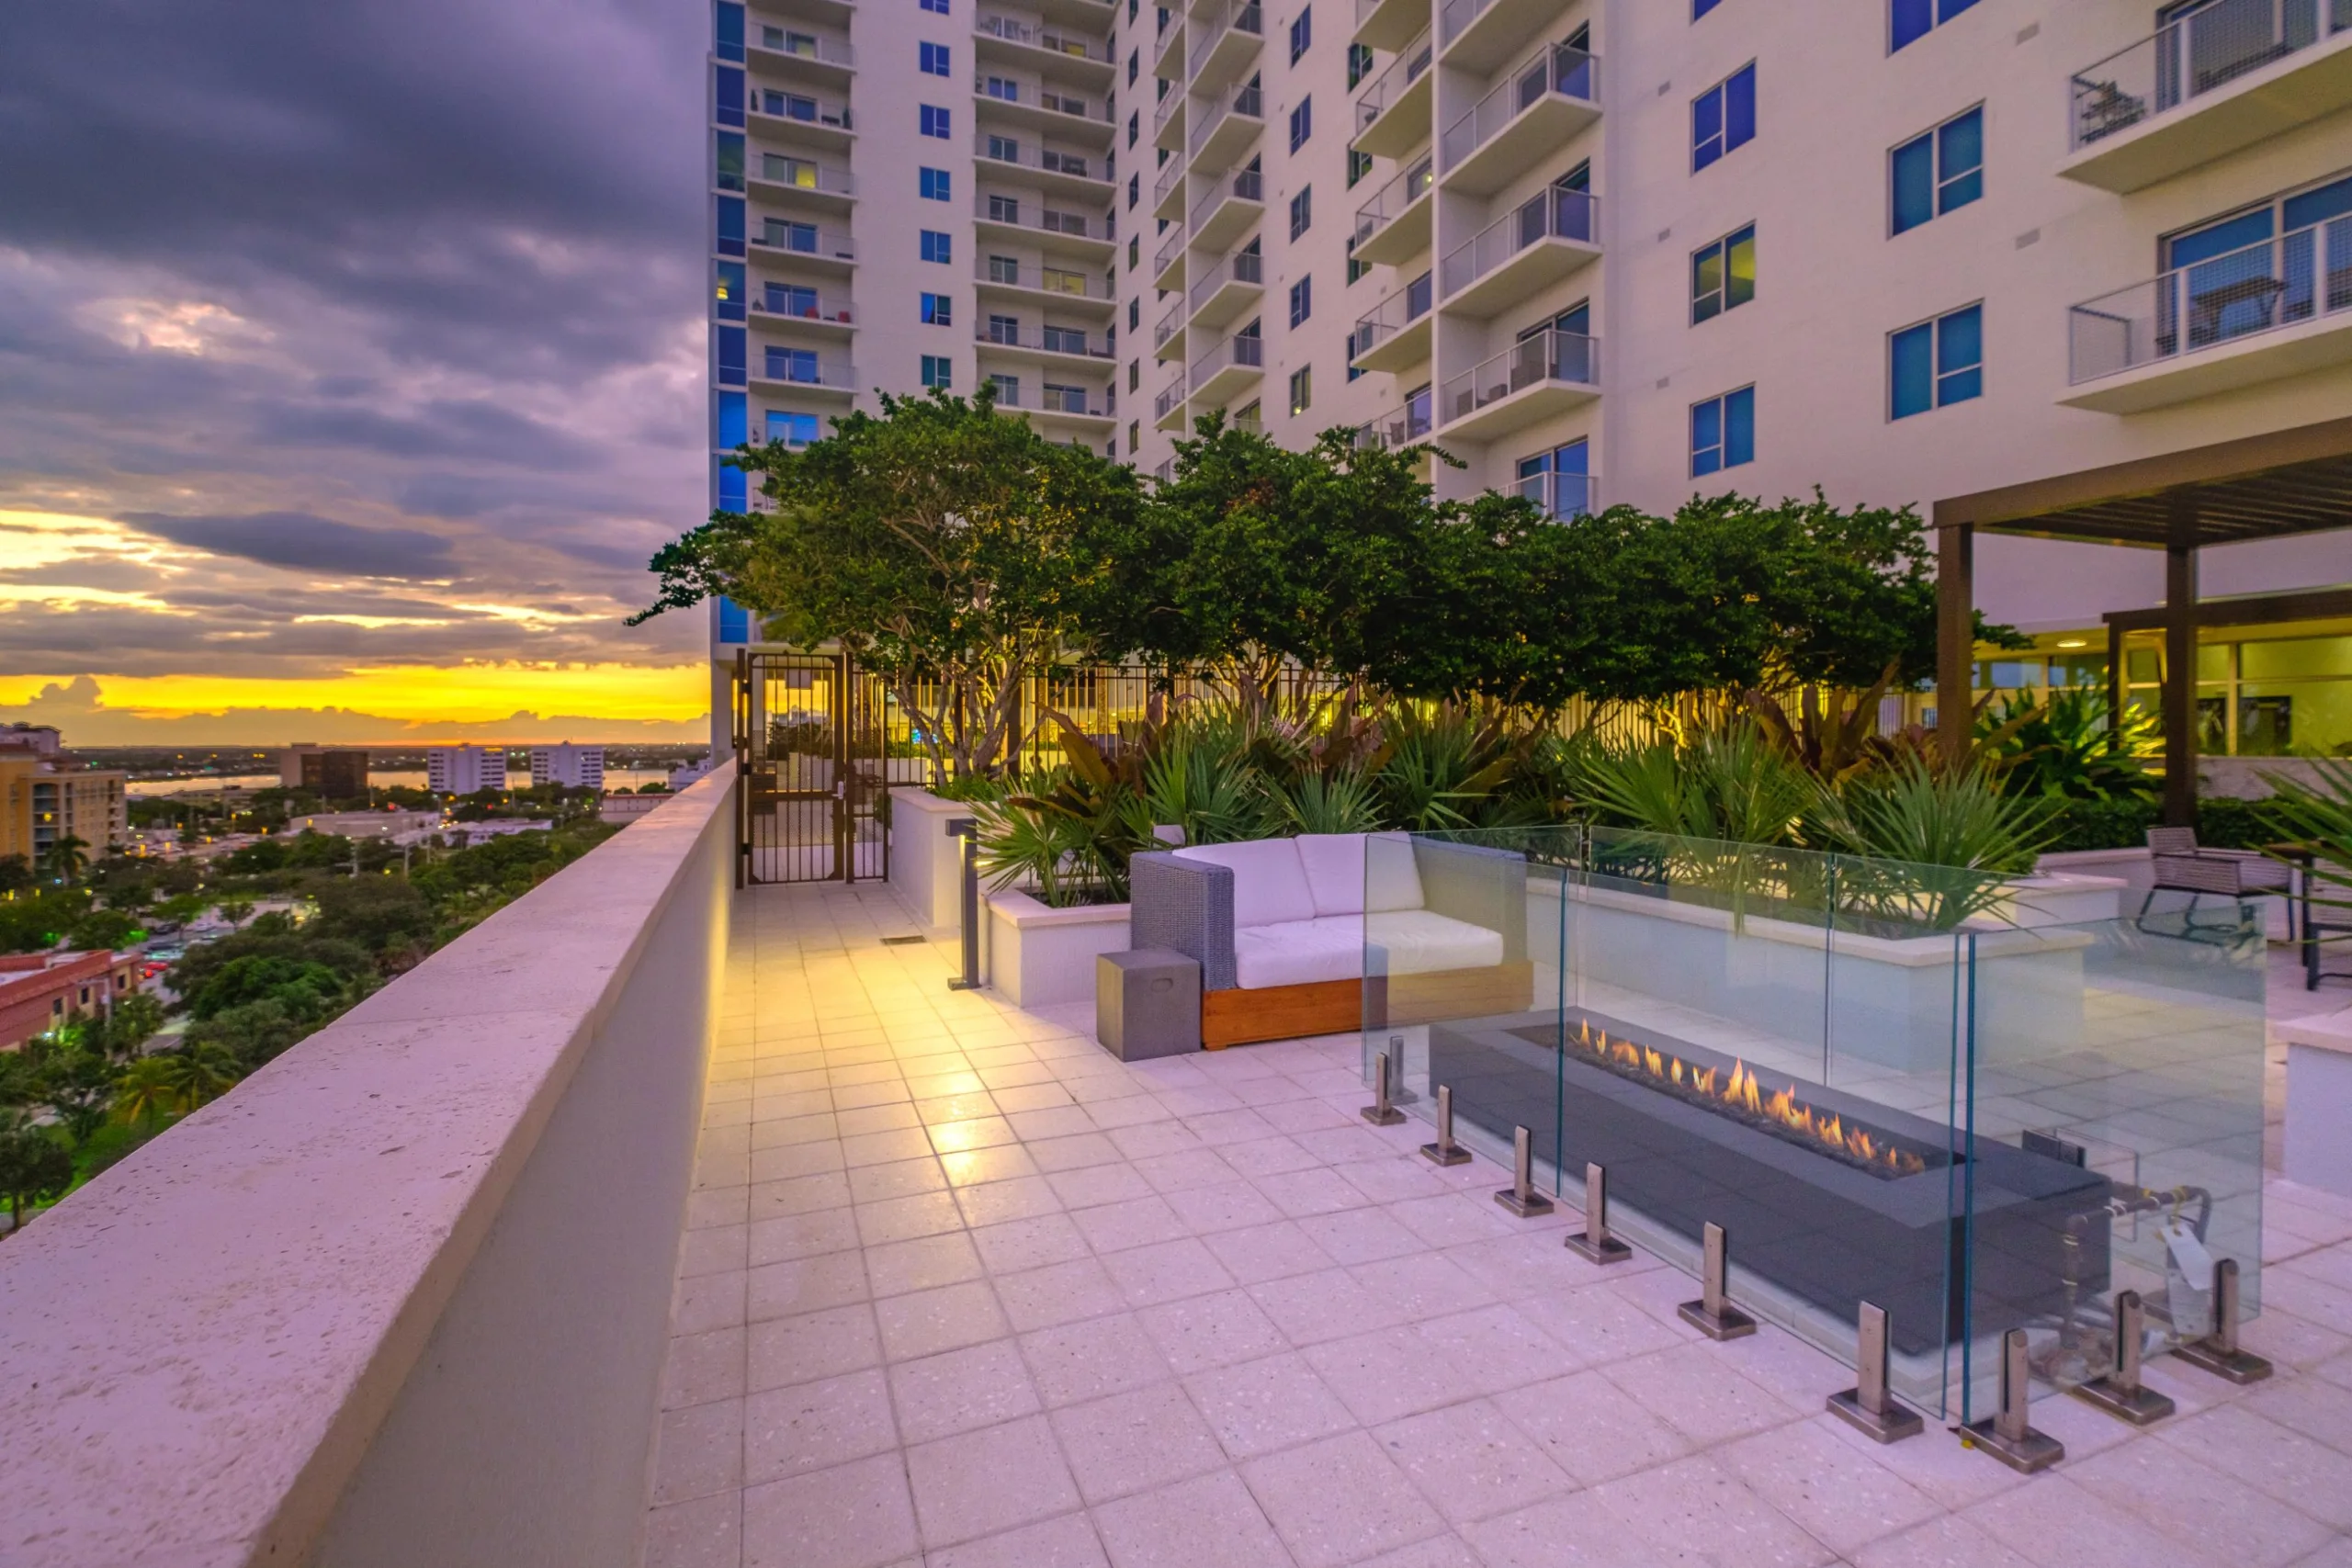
(351, 367)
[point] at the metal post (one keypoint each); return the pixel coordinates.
(1712, 1313)
(2119, 1393)
(1520, 1197)
(969, 830)
(1380, 1113)
(2218, 1353)
(1868, 1406)
(1594, 1244)
(2006, 1434)
(1445, 1151)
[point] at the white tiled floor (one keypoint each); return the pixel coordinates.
(962, 1291)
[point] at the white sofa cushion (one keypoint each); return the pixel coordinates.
(1337, 872)
(1416, 941)
(1299, 952)
(1269, 884)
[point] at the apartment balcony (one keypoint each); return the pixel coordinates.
(803, 120)
(1545, 373)
(786, 372)
(1169, 118)
(2271, 310)
(1168, 332)
(1087, 234)
(1167, 263)
(1044, 345)
(1045, 109)
(1550, 97)
(1407, 426)
(2211, 83)
(1233, 285)
(1066, 406)
(805, 246)
(1396, 335)
(1168, 405)
(1227, 210)
(1548, 237)
(1224, 131)
(803, 310)
(1167, 192)
(1394, 226)
(1066, 288)
(1393, 110)
(802, 183)
(1168, 48)
(1051, 50)
(1228, 370)
(1389, 25)
(1224, 46)
(798, 55)
(1479, 35)
(1079, 177)
(1564, 496)
(834, 14)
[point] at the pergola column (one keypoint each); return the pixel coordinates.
(1955, 637)
(2180, 666)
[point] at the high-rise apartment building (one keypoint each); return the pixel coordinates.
(1908, 251)
(338, 772)
(463, 770)
(574, 767)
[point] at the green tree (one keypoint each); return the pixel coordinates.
(15, 875)
(101, 930)
(148, 1092)
(34, 1168)
(75, 1083)
(67, 858)
(305, 987)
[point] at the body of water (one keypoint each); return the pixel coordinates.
(411, 778)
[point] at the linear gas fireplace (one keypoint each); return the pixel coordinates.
(1828, 1197)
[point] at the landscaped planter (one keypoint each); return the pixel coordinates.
(1038, 956)
(926, 863)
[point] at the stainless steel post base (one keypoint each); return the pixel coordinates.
(2140, 1406)
(1712, 1313)
(1729, 1324)
(1382, 1111)
(2035, 1451)
(1445, 1151)
(1520, 1197)
(1609, 1250)
(1438, 1153)
(1889, 1425)
(1527, 1205)
(1868, 1406)
(1383, 1115)
(1594, 1244)
(2237, 1366)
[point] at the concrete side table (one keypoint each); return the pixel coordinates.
(1147, 1003)
(2319, 1101)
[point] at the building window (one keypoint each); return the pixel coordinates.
(938, 247)
(1134, 375)
(1134, 65)
(1004, 89)
(734, 421)
(1560, 480)
(1936, 362)
(937, 312)
(1929, 175)
(1908, 21)
(1134, 127)
(1301, 388)
(729, 241)
(932, 58)
(733, 495)
(726, 292)
(1701, 8)
(1723, 432)
(1356, 269)
(1302, 301)
(934, 121)
(728, 162)
(1302, 123)
(1358, 165)
(937, 185)
(1302, 212)
(1134, 433)
(1302, 32)
(938, 370)
(1723, 117)
(1723, 275)
(1359, 63)
(1135, 250)
(1134, 190)
(729, 94)
(793, 430)
(731, 32)
(939, 6)
(734, 355)
(1134, 314)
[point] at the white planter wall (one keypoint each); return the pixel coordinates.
(1040, 957)
(926, 866)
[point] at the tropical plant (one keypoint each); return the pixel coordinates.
(2319, 815)
(2072, 748)
(1450, 766)
(202, 1071)
(1341, 801)
(1938, 842)
(66, 858)
(148, 1092)
(1733, 785)
(34, 1168)
(76, 1084)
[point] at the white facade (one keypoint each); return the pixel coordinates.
(463, 770)
(574, 767)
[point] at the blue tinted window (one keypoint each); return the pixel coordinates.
(1936, 362)
(1911, 370)
(731, 491)
(734, 622)
(1739, 108)
(1960, 161)
(938, 247)
(1911, 182)
(729, 160)
(730, 240)
(734, 355)
(731, 32)
(2218, 239)
(1302, 301)
(937, 185)
(1739, 427)
(1302, 32)
(1907, 21)
(730, 95)
(2316, 205)
(726, 292)
(734, 421)
(938, 6)
(938, 370)
(932, 59)
(1723, 432)
(794, 365)
(1701, 8)
(794, 430)
(1302, 123)
(934, 120)
(1723, 117)
(937, 312)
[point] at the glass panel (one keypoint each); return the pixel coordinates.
(2290, 657)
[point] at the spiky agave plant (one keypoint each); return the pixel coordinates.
(1936, 843)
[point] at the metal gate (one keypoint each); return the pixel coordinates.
(812, 750)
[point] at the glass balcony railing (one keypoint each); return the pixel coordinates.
(1559, 495)
(1019, 212)
(1246, 186)
(1169, 249)
(1556, 70)
(1554, 214)
(807, 46)
(1249, 103)
(2200, 53)
(806, 240)
(1168, 325)
(1169, 398)
(1243, 267)
(1244, 17)
(1242, 352)
(800, 108)
(802, 173)
(1014, 152)
(1389, 202)
(1051, 40)
(2296, 277)
(1381, 94)
(1011, 394)
(1394, 314)
(1169, 108)
(1165, 59)
(1008, 271)
(1170, 178)
(1399, 427)
(783, 303)
(1539, 357)
(798, 367)
(997, 333)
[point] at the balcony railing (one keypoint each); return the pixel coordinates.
(800, 369)
(778, 105)
(2200, 52)
(1011, 274)
(807, 46)
(1249, 185)
(1011, 394)
(802, 173)
(1248, 353)
(1247, 102)
(1242, 16)
(1170, 178)
(806, 240)
(1570, 72)
(1242, 267)
(1011, 151)
(1399, 427)
(781, 305)
(1170, 397)
(1554, 214)
(1384, 90)
(1045, 340)
(1169, 249)
(1051, 40)
(1394, 314)
(1170, 36)
(1389, 202)
(1541, 356)
(1167, 110)
(2296, 277)
(1167, 325)
(1559, 495)
(1019, 212)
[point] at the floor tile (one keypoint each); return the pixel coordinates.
(923, 1264)
(1338, 1500)
(987, 1482)
(810, 1346)
(2204, 1513)
(959, 1391)
(698, 1450)
(1591, 1428)
(928, 1322)
(1092, 1357)
(807, 1284)
(706, 1532)
(1066, 1542)
(1471, 1462)
(1256, 1406)
(1821, 1475)
(858, 1515)
(1213, 1330)
(1135, 1442)
(1211, 1521)
(813, 1426)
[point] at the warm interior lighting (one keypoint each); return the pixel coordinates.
(2074, 642)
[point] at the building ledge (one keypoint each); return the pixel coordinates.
(2226, 366)
(2307, 86)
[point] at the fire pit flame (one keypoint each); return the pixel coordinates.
(1742, 1092)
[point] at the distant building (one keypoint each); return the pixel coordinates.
(476, 834)
(462, 770)
(41, 740)
(392, 825)
(574, 767)
(40, 991)
(686, 773)
(46, 795)
(334, 773)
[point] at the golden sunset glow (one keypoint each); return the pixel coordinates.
(465, 693)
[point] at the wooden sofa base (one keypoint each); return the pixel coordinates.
(1339, 1007)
